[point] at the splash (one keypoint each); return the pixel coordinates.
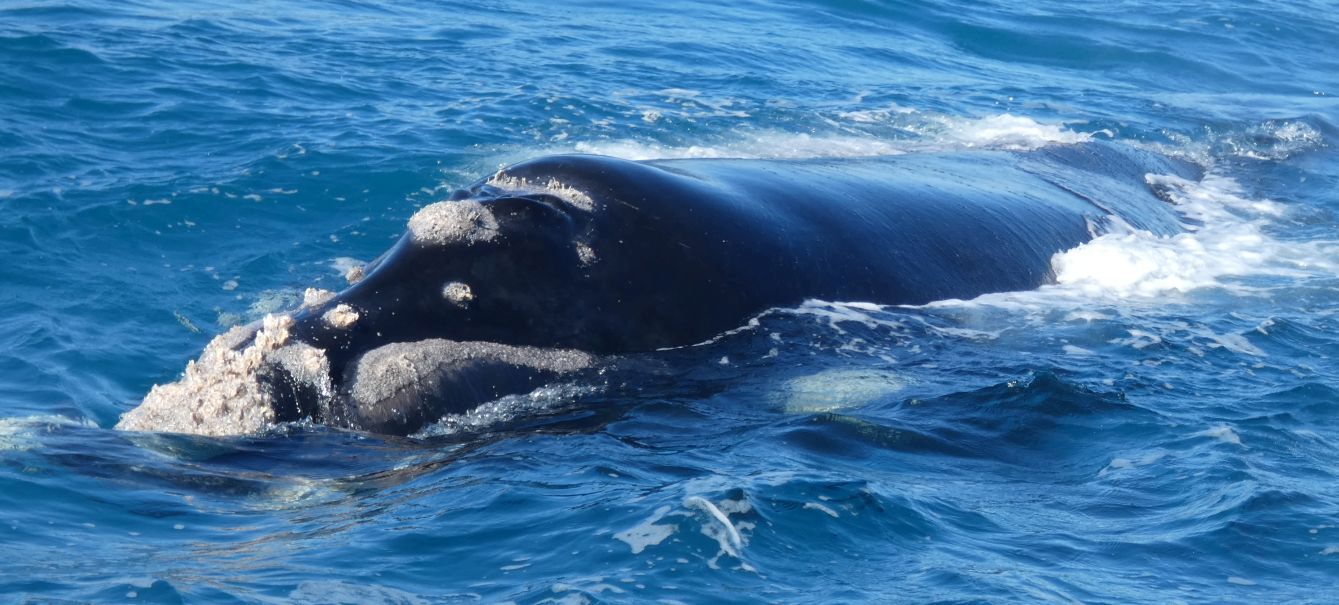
(1227, 238)
(1004, 131)
(21, 434)
(916, 132)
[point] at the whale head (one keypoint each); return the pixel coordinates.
(467, 306)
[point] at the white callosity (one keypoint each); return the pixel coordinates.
(306, 365)
(219, 394)
(550, 186)
(459, 222)
(315, 297)
(392, 369)
(573, 197)
(586, 254)
(458, 293)
(341, 317)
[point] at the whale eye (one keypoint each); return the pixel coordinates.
(458, 293)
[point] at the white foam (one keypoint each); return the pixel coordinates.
(770, 145)
(1227, 239)
(20, 433)
(1121, 464)
(1004, 131)
(877, 116)
(821, 508)
(648, 532)
(1222, 433)
(580, 587)
(1075, 351)
(1235, 343)
(932, 133)
(695, 104)
(1138, 339)
(1272, 140)
(732, 542)
(836, 314)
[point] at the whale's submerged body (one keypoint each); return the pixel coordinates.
(543, 268)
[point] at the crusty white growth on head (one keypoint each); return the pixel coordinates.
(305, 364)
(315, 297)
(461, 222)
(342, 317)
(458, 293)
(551, 186)
(219, 394)
(586, 254)
(573, 197)
(354, 274)
(395, 368)
(236, 336)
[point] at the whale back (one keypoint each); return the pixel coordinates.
(688, 248)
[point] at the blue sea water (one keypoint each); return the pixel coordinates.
(1161, 425)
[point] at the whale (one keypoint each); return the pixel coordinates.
(549, 267)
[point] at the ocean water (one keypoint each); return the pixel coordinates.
(1160, 425)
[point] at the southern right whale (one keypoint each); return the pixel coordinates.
(545, 267)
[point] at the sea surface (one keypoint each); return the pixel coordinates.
(1161, 425)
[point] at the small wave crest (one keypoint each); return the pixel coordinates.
(21, 433)
(1270, 140)
(866, 133)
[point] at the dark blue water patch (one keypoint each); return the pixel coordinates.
(1028, 421)
(1309, 404)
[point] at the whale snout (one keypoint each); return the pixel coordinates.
(253, 377)
(230, 389)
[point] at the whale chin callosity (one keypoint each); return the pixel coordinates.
(550, 267)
